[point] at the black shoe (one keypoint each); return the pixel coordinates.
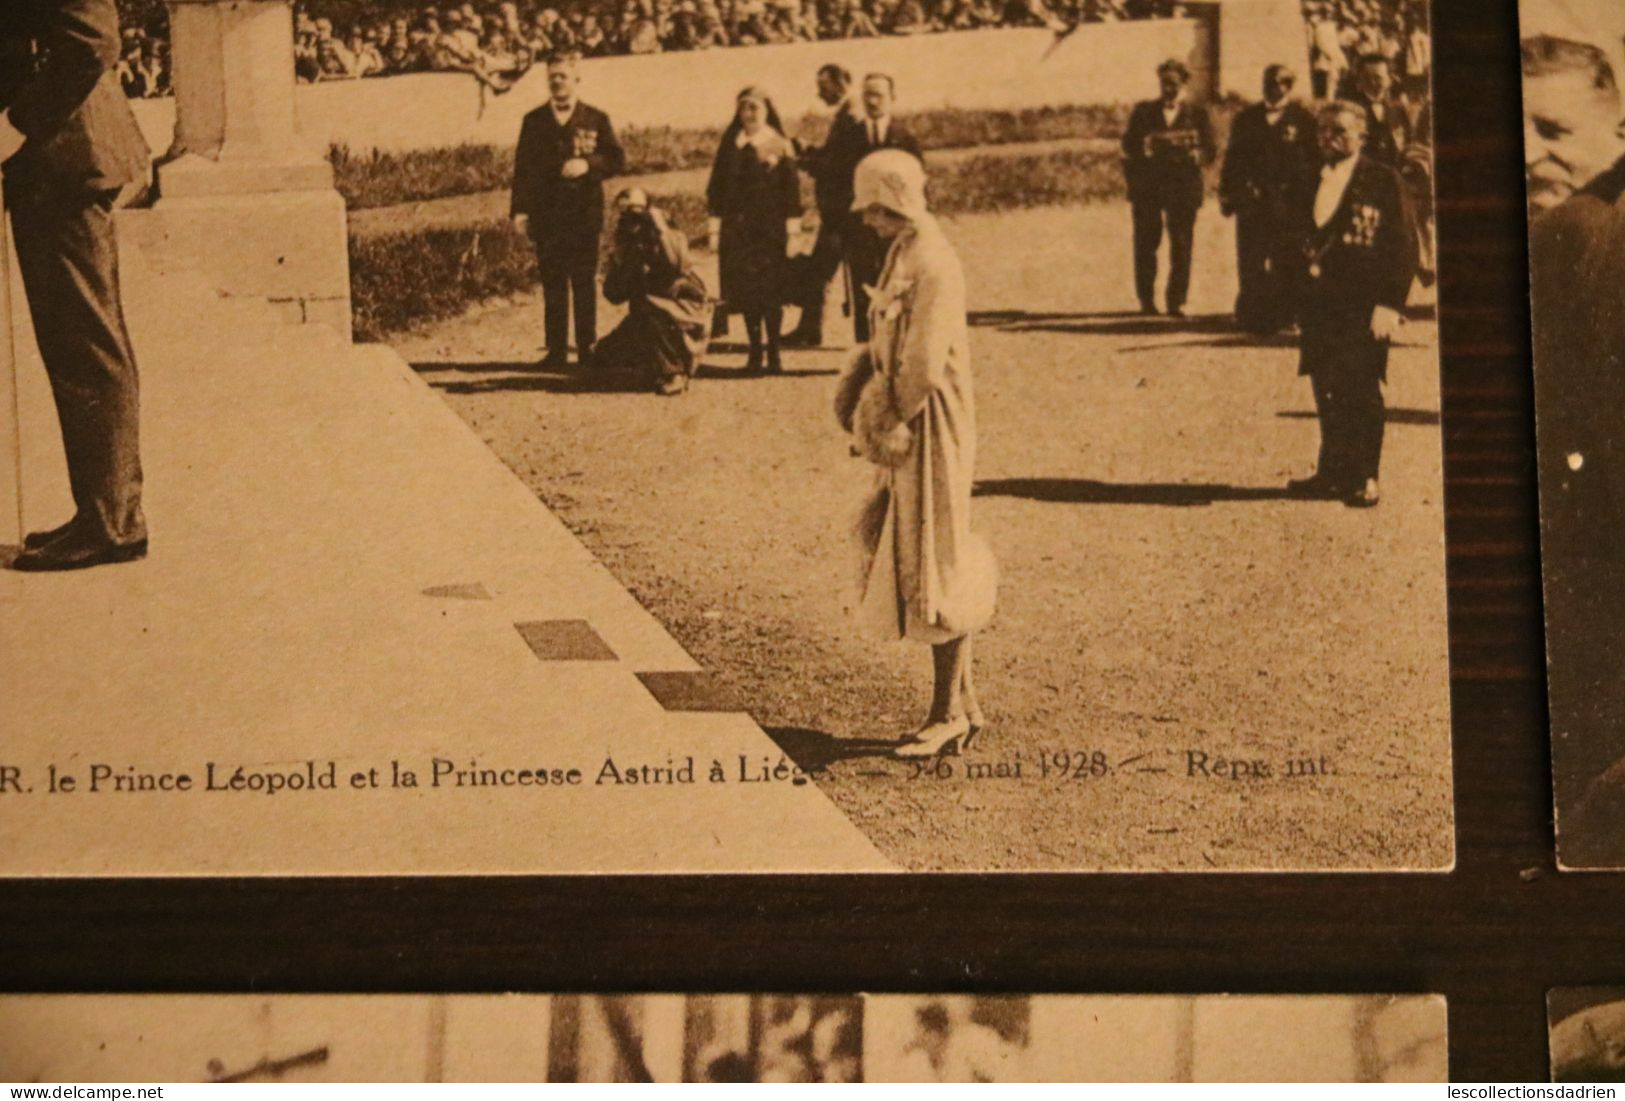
(1176, 311)
(34, 540)
(1149, 309)
(753, 362)
(586, 361)
(1316, 486)
(553, 361)
(775, 366)
(802, 338)
(77, 554)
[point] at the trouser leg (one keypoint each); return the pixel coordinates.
(584, 291)
(1147, 239)
(1327, 462)
(1255, 294)
(772, 321)
(68, 257)
(1367, 416)
(822, 264)
(1181, 242)
(865, 255)
(555, 277)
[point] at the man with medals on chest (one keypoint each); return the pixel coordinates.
(1359, 258)
(1271, 156)
(1168, 142)
(566, 151)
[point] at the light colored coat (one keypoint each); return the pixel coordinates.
(926, 576)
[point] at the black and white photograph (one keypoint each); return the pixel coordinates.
(1573, 56)
(721, 1038)
(728, 436)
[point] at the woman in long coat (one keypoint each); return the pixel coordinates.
(755, 193)
(907, 400)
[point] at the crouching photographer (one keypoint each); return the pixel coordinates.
(664, 334)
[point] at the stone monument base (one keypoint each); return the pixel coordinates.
(287, 248)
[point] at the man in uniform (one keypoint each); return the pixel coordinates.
(1166, 146)
(566, 152)
(832, 190)
(1388, 120)
(1271, 157)
(850, 140)
(69, 144)
(1573, 66)
(1358, 260)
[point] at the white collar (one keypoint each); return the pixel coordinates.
(763, 139)
(1339, 170)
(1334, 185)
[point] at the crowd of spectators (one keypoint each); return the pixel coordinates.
(143, 66)
(1343, 31)
(498, 40)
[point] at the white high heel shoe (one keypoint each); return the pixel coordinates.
(938, 739)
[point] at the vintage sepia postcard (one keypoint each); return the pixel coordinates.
(720, 436)
(1587, 1029)
(721, 1038)
(1574, 125)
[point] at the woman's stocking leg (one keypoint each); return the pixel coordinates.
(948, 663)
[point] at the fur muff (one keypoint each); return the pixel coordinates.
(859, 370)
(883, 438)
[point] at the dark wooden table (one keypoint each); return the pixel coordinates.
(1493, 936)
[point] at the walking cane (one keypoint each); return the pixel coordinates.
(8, 364)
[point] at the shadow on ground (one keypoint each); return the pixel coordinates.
(1215, 330)
(1101, 324)
(1083, 491)
(1420, 417)
(499, 377)
(814, 750)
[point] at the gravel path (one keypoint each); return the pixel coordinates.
(1162, 607)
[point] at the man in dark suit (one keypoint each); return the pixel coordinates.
(1577, 270)
(1388, 119)
(832, 179)
(1167, 144)
(1573, 106)
(1271, 157)
(566, 152)
(69, 144)
(1358, 258)
(850, 140)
